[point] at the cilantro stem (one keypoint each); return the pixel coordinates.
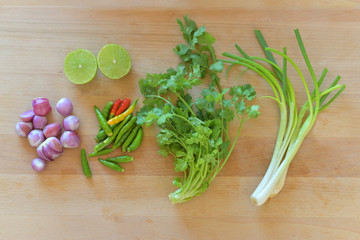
(178, 138)
(185, 119)
(200, 180)
(231, 149)
(158, 96)
(185, 103)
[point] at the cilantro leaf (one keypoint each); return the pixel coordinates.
(177, 182)
(244, 91)
(180, 164)
(217, 67)
(253, 111)
(206, 39)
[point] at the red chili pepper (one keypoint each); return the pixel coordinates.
(114, 108)
(123, 106)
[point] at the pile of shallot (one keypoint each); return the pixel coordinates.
(43, 135)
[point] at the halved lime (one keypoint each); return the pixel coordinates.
(80, 66)
(114, 61)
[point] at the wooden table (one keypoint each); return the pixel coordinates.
(321, 197)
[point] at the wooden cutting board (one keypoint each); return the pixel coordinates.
(320, 199)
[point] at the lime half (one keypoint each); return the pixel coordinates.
(114, 61)
(80, 66)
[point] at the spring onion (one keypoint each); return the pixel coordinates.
(294, 124)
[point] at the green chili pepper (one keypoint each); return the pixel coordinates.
(137, 141)
(102, 135)
(120, 159)
(130, 138)
(126, 128)
(108, 140)
(101, 152)
(123, 137)
(105, 112)
(124, 122)
(106, 109)
(103, 123)
(111, 165)
(85, 164)
(97, 140)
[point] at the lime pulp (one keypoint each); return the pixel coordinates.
(114, 61)
(80, 66)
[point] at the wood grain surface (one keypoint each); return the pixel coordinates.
(320, 199)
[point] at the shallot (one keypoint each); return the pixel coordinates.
(23, 128)
(71, 123)
(27, 116)
(64, 106)
(34, 125)
(39, 122)
(35, 137)
(52, 130)
(41, 106)
(41, 154)
(70, 139)
(50, 149)
(38, 164)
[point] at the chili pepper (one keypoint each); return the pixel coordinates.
(102, 121)
(102, 135)
(85, 164)
(108, 140)
(120, 117)
(124, 122)
(116, 131)
(101, 152)
(97, 140)
(106, 110)
(127, 126)
(137, 141)
(130, 138)
(123, 138)
(114, 108)
(111, 165)
(123, 106)
(120, 159)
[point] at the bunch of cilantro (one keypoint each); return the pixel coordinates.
(194, 131)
